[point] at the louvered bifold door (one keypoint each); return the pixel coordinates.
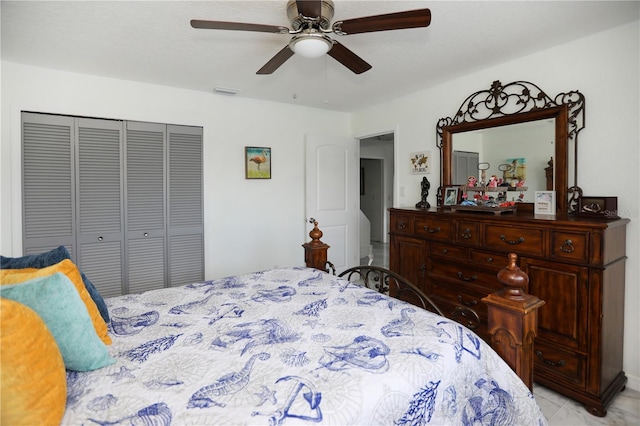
(185, 205)
(145, 206)
(47, 183)
(100, 204)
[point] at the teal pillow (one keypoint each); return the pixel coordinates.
(58, 303)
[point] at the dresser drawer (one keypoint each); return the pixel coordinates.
(488, 259)
(572, 246)
(433, 229)
(516, 239)
(463, 315)
(401, 224)
(464, 275)
(447, 251)
(461, 296)
(467, 232)
(554, 363)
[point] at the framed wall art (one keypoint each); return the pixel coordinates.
(604, 207)
(257, 162)
(517, 171)
(420, 162)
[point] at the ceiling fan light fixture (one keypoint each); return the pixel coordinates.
(311, 45)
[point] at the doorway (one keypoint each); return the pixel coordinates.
(377, 175)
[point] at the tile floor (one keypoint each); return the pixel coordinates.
(560, 410)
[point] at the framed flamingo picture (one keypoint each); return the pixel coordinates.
(257, 162)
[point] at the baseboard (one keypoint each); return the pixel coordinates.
(633, 382)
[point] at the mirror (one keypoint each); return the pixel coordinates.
(518, 134)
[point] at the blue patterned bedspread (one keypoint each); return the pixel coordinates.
(292, 346)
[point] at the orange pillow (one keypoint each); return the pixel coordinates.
(67, 267)
(33, 379)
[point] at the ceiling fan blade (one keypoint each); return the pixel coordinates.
(238, 26)
(309, 8)
(391, 21)
(275, 62)
(347, 58)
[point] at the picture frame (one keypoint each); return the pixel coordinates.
(451, 196)
(602, 207)
(545, 203)
(257, 162)
(420, 162)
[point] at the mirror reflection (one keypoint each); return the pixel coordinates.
(515, 155)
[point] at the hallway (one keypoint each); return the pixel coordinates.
(380, 255)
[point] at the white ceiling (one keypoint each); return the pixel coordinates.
(154, 42)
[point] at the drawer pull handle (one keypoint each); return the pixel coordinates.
(100, 238)
(466, 234)
(463, 278)
(472, 302)
(568, 246)
(402, 225)
(432, 231)
(489, 259)
(445, 251)
(560, 363)
(512, 242)
(471, 317)
(423, 269)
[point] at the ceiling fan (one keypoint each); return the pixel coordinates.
(311, 22)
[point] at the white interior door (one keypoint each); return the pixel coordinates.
(332, 195)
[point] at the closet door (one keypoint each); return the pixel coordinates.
(100, 207)
(48, 183)
(185, 205)
(145, 201)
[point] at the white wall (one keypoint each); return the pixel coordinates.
(249, 224)
(605, 68)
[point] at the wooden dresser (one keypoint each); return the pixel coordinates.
(576, 265)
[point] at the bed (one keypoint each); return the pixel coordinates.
(292, 346)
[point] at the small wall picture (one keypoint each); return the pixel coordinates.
(451, 195)
(257, 162)
(420, 162)
(517, 171)
(545, 203)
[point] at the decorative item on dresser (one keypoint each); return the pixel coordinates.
(575, 264)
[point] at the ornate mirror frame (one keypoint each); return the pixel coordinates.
(519, 102)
